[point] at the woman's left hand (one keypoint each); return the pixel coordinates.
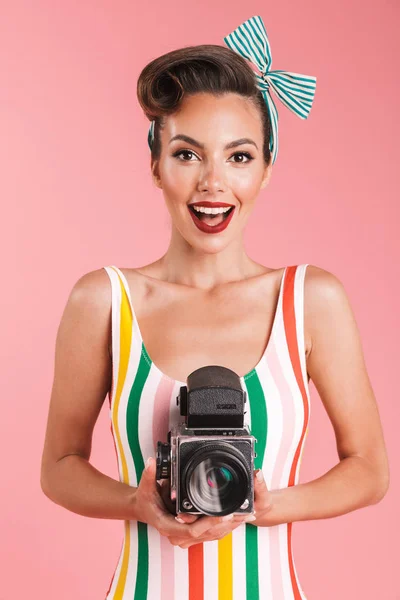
(262, 505)
(262, 499)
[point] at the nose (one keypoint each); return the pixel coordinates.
(212, 179)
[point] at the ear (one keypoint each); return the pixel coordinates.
(267, 174)
(155, 173)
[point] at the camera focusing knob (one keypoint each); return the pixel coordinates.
(163, 461)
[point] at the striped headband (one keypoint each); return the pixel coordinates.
(296, 91)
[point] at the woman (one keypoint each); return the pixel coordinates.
(213, 139)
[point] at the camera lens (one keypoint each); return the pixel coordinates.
(217, 479)
(213, 482)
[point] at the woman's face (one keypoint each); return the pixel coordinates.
(203, 168)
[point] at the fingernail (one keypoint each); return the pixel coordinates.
(250, 518)
(260, 475)
(180, 520)
(227, 517)
(148, 462)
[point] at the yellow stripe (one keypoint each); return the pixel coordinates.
(125, 336)
(225, 581)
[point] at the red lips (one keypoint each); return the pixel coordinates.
(211, 228)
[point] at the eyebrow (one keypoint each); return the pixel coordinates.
(193, 142)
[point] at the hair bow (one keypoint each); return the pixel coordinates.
(296, 91)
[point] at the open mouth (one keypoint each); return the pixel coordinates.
(210, 218)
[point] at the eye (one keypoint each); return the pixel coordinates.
(246, 154)
(184, 152)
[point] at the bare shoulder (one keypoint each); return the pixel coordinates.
(93, 287)
(320, 279)
(91, 297)
(324, 298)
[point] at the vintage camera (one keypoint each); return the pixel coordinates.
(209, 458)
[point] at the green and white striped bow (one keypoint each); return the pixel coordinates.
(296, 91)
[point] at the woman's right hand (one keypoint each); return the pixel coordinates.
(152, 506)
(149, 508)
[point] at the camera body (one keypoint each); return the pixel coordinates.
(209, 458)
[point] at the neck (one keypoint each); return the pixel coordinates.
(206, 268)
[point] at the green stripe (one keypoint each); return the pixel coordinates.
(259, 428)
(284, 94)
(252, 585)
(132, 430)
(301, 80)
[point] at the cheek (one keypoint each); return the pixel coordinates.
(176, 188)
(175, 175)
(246, 187)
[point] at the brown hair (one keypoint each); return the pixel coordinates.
(207, 68)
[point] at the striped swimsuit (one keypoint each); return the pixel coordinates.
(250, 563)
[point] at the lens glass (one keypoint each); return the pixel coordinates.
(217, 482)
(218, 478)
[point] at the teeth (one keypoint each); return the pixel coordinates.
(213, 211)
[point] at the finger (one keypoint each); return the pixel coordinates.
(261, 493)
(149, 474)
(205, 523)
(221, 530)
(166, 519)
(190, 518)
(215, 533)
(151, 486)
(244, 517)
(165, 494)
(186, 518)
(170, 527)
(164, 483)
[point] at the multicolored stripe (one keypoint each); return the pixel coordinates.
(251, 563)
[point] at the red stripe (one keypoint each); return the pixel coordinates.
(289, 318)
(196, 572)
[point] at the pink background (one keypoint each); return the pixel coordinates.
(77, 193)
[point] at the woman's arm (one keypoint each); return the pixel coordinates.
(82, 379)
(337, 368)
